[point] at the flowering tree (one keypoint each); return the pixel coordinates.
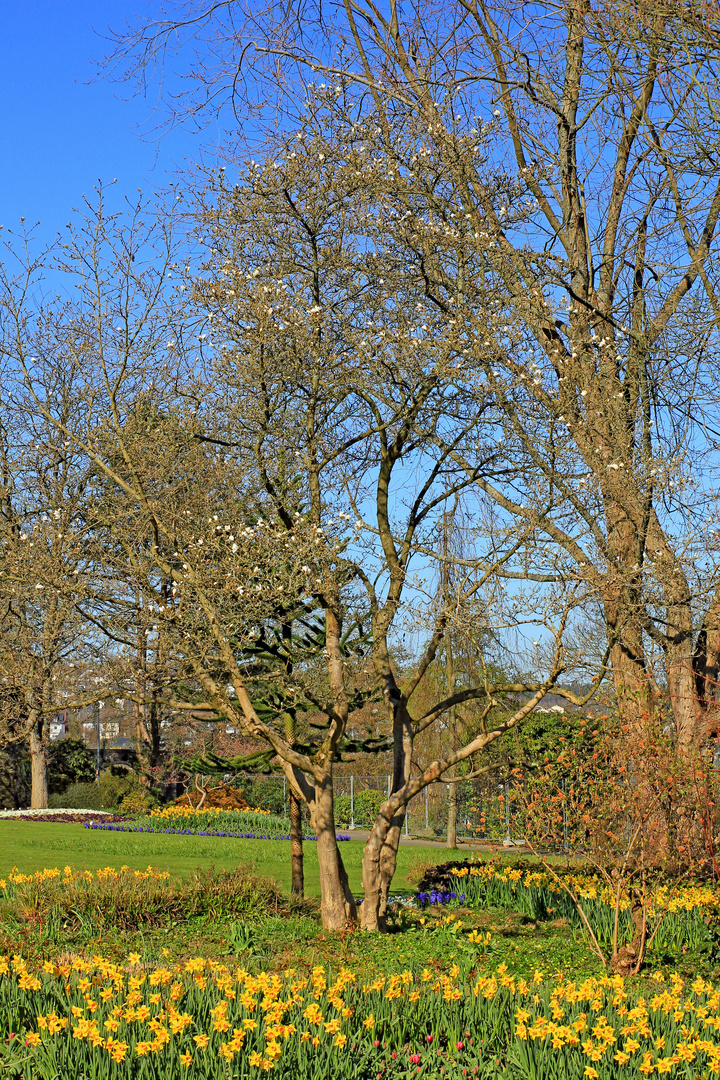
(551, 204)
(339, 367)
(255, 429)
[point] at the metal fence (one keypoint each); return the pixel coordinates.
(486, 808)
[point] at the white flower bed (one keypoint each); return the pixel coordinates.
(46, 811)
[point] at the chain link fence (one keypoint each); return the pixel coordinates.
(486, 808)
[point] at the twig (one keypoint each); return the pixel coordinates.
(578, 907)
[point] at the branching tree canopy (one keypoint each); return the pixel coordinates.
(279, 437)
(472, 263)
(46, 555)
(581, 279)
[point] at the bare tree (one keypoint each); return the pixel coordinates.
(278, 440)
(46, 559)
(555, 176)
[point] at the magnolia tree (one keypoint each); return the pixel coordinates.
(274, 432)
(340, 375)
(555, 196)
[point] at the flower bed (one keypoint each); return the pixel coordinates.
(437, 898)
(680, 912)
(200, 832)
(126, 899)
(95, 1018)
(60, 815)
(233, 824)
(218, 816)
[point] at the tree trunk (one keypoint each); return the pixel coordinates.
(382, 870)
(38, 763)
(388, 862)
(622, 603)
(297, 872)
(142, 741)
(452, 816)
(142, 735)
(378, 867)
(452, 790)
(337, 906)
(297, 885)
(370, 914)
(627, 960)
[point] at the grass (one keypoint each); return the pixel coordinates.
(295, 938)
(32, 846)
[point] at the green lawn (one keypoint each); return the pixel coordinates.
(31, 845)
(293, 939)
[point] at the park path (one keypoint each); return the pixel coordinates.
(464, 845)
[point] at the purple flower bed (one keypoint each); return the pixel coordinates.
(85, 817)
(191, 832)
(437, 897)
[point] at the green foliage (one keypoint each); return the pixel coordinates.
(211, 764)
(263, 793)
(137, 801)
(542, 736)
(70, 761)
(14, 776)
(114, 785)
(78, 797)
(130, 899)
(367, 807)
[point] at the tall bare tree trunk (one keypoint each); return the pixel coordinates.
(38, 762)
(142, 735)
(452, 816)
(297, 883)
(402, 753)
(380, 854)
(452, 789)
(370, 918)
(337, 906)
(297, 871)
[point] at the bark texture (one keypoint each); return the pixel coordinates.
(297, 883)
(337, 905)
(38, 763)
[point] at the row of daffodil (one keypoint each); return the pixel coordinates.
(678, 913)
(216, 819)
(179, 811)
(100, 1019)
(69, 875)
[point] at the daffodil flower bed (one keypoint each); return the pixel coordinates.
(127, 899)
(685, 907)
(99, 1019)
(213, 813)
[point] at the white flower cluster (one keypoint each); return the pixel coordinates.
(46, 812)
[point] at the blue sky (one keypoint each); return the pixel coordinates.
(59, 132)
